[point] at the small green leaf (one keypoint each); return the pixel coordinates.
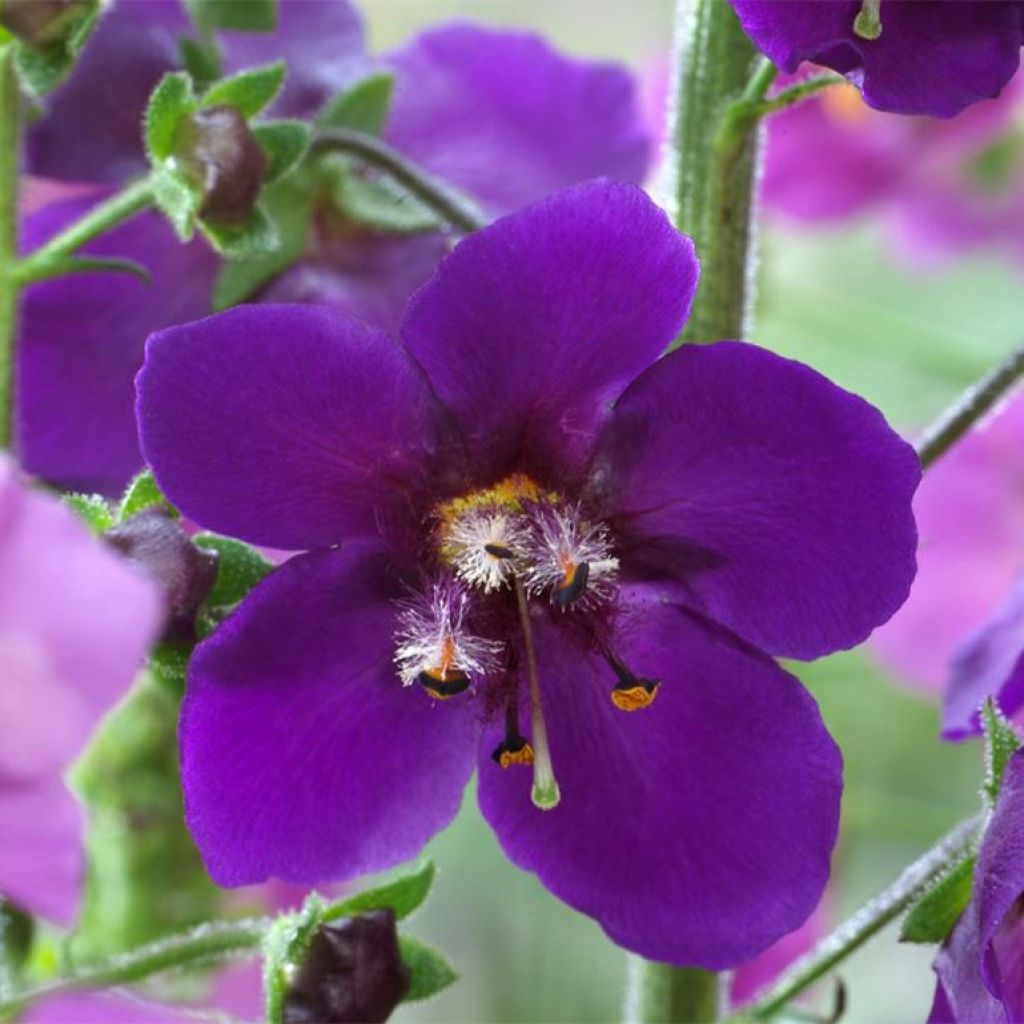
(249, 91)
(380, 204)
(170, 101)
(241, 15)
(284, 142)
(256, 237)
(932, 918)
(403, 895)
(239, 568)
(41, 69)
(363, 107)
(85, 265)
(1001, 743)
(431, 972)
(94, 510)
(142, 493)
(201, 59)
(178, 201)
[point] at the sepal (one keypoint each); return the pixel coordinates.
(1001, 743)
(932, 918)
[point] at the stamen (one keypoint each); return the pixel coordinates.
(631, 693)
(545, 793)
(513, 749)
(442, 684)
(482, 546)
(573, 584)
(868, 23)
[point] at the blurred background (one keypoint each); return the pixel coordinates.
(906, 333)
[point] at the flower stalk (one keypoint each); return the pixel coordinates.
(9, 150)
(662, 994)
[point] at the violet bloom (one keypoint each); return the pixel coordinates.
(75, 622)
(934, 57)
(981, 966)
(543, 527)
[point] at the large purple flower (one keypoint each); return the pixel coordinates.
(543, 528)
(933, 57)
(75, 621)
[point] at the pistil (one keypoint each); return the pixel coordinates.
(868, 23)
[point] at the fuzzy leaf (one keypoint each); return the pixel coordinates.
(285, 144)
(402, 895)
(241, 15)
(239, 568)
(178, 201)
(140, 494)
(168, 665)
(382, 205)
(201, 59)
(94, 510)
(256, 237)
(932, 918)
(431, 972)
(170, 101)
(363, 107)
(42, 69)
(249, 91)
(1001, 743)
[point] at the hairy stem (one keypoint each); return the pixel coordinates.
(662, 994)
(9, 150)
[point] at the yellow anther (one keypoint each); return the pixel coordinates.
(635, 695)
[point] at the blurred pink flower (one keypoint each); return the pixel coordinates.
(38, 192)
(75, 622)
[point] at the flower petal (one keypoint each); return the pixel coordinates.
(696, 831)
(779, 503)
(81, 344)
(533, 326)
(470, 101)
(287, 426)
(303, 756)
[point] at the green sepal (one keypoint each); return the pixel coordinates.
(143, 492)
(932, 918)
(168, 665)
(284, 944)
(363, 107)
(249, 91)
(430, 971)
(178, 201)
(240, 15)
(402, 895)
(257, 236)
(172, 100)
(380, 204)
(1001, 743)
(42, 69)
(239, 568)
(201, 59)
(285, 144)
(93, 509)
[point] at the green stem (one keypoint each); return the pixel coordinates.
(201, 944)
(131, 200)
(662, 994)
(868, 921)
(9, 150)
(457, 211)
(796, 94)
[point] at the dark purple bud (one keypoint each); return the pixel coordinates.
(352, 973)
(39, 23)
(186, 574)
(219, 151)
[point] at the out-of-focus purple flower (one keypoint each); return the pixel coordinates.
(75, 621)
(934, 57)
(981, 966)
(522, 474)
(749, 979)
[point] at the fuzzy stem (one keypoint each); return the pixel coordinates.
(868, 921)
(659, 993)
(9, 150)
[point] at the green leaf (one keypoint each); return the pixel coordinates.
(178, 201)
(86, 265)
(170, 101)
(285, 144)
(241, 15)
(142, 493)
(168, 665)
(380, 204)
(362, 107)
(42, 68)
(403, 895)
(94, 510)
(431, 972)
(932, 918)
(239, 568)
(1001, 743)
(256, 237)
(201, 59)
(249, 91)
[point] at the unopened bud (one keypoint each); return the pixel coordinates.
(352, 973)
(218, 150)
(185, 574)
(40, 23)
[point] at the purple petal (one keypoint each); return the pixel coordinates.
(287, 426)
(81, 343)
(696, 831)
(933, 57)
(779, 503)
(102, 1008)
(303, 756)
(508, 119)
(989, 663)
(533, 326)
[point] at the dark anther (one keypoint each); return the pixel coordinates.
(574, 586)
(442, 685)
(352, 973)
(219, 151)
(185, 573)
(513, 749)
(631, 692)
(40, 23)
(499, 551)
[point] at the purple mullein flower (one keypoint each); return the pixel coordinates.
(934, 57)
(75, 622)
(571, 551)
(981, 966)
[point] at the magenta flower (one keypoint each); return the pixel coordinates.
(934, 57)
(75, 622)
(573, 554)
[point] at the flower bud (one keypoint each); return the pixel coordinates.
(218, 150)
(39, 23)
(185, 574)
(352, 973)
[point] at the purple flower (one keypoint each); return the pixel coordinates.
(543, 527)
(75, 621)
(934, 57)
(981, 966)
